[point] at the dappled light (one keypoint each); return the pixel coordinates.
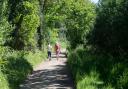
(49, 75)
(64, 44)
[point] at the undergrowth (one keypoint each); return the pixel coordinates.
(16, 65)
(98, 71)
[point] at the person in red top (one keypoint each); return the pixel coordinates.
(57, 50)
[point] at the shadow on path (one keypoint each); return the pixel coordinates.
(50, 75)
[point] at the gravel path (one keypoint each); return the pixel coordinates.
(50, 75)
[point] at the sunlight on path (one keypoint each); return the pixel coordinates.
(50, 75)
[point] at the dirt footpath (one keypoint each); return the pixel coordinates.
(50, 75)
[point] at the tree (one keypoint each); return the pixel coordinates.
(24, 15)
(53, 17)
(110, 30)
(5, 27)
(79, 21)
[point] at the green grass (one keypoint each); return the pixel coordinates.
(36, 58)
(90, 81)
(16, 65)
(3, 82)
(63, 44)
(97, 71)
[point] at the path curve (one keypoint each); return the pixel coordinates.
(50, 75)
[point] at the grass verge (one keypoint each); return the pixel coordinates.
(98, 71)
(15, 66)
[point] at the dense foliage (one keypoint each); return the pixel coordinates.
(110, 31)
(19, 21)
(16, 65)
(98, 71)
(26, 25)
(5, 27)
(54, 20)
(102, 64)
(79, 21)
(24, 16)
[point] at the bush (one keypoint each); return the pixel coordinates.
(110, 29)
(83, 67)
(4, 83)
(17, 65)
(97, 71)
(122, 83)
(89, 81)
(35, 57)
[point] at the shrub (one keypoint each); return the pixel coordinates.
(110, 30)
(4, 83)
(17, 65)
(97, 71)
(83, 67)
(90, 81)
(122, 82)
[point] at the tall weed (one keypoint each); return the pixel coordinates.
(97, 71)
